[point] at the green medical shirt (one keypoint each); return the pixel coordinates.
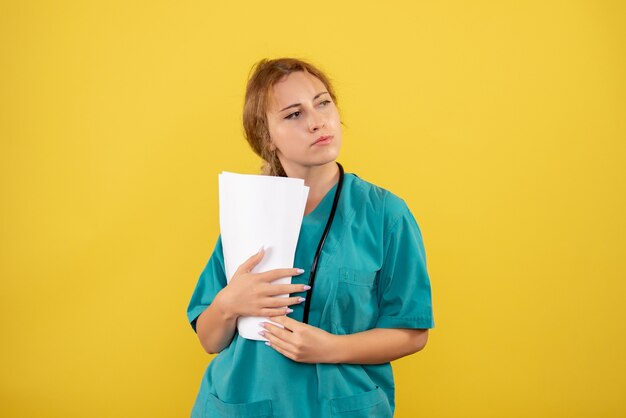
(371, 274)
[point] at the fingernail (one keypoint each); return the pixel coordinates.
(267, 343)
(307, 287)
(262, 324)
(262, 333)
(300, 300)
(300, 271)
(261, 249)
(289, 310)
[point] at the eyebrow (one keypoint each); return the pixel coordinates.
(298, 104)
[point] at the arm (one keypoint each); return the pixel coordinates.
(307, 344)
(216, 327)
(379, 345)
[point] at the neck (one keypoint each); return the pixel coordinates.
(320, 180)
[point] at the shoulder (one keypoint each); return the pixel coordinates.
(378, 199)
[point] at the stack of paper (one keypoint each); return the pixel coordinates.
(260, 211)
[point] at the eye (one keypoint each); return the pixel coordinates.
(325, 103)
(292, 115)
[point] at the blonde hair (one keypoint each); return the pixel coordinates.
(265, 74)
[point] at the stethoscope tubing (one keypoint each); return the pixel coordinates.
(307, 303)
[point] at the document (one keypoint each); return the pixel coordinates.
(257, 211)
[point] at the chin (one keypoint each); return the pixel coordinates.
(330, 157)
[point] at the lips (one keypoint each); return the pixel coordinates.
(326, 139)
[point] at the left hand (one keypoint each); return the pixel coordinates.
(298, 341)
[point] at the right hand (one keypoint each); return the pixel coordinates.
(253, 294)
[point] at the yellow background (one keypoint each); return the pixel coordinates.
(502, 124)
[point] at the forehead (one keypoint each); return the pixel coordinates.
(296, 87)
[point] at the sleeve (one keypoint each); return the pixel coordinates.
(211, 281)
(405, 299)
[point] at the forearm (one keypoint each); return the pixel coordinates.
(216, 327)
(378, 345)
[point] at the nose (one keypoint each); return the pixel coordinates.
(316, 121)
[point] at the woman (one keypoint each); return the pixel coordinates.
(370, 302)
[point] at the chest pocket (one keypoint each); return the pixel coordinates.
(355, 307)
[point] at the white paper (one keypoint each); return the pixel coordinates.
(260, 211)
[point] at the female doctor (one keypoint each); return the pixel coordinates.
(360, 294)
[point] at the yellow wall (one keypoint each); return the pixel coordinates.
(501, 123)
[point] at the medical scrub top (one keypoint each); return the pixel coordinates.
(371, 274)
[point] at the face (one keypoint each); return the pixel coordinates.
(303, 123)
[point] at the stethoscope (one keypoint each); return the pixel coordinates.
(307, 303)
